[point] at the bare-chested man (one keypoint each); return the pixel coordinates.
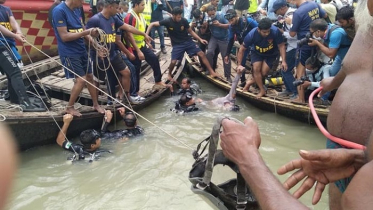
(351, 114)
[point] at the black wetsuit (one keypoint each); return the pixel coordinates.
(184, 91)
(117, 134)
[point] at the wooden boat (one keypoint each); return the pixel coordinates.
(272, 102)
(32, 17)
(33, 129)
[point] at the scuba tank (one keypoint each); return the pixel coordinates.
(274, 81)
(231, 194)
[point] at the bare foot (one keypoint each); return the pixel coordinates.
(99, 109)
(261, 94)
(297, 100)
(72, 111)
(161, 84)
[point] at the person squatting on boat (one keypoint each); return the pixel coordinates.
(306, 12)
(70, 33)
(315, 72)
(266, 41)
(91, 139)
(351, 104)
(285, 14)
(240, 144)
(10, 59)
(178, 29)
(111, 65)
(335, 46)
(239, 27)
(140, 49)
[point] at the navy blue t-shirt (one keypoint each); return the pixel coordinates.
(264, 46)
(5, 13)
(303, 16)
(110, 26)
(241, 29)
(63, 16)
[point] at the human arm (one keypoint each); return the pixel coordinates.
(261, 7)
(326, 73)
(321, 167)
(330, 52)
(194, 35)
(240, 57)
(240, 144)
(229, 49)
(296, 23)
(133, 30)
(14, 25)
(106, 121)
(332, 83)
(67, 118)
(282, 49)
(156, 24)
(220, 25)
(119, 43)
(8, 33)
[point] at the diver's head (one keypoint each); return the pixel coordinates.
(130, 119)
(186, 99)
(185, 83)
(90, 139)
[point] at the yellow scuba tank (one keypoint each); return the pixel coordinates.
(275, 81)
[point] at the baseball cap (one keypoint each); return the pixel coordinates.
(277, 5)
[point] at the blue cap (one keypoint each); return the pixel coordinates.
(277, 5)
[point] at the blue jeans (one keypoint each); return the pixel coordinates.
(160, 31)
(133, 72)
(288, 76)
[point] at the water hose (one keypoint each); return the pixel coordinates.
(340, 141)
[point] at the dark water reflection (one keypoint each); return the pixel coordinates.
(150, 172)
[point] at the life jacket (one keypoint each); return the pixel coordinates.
(141, 26)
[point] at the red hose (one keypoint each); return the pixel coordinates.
(340, 141)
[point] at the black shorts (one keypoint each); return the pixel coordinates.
(302, 55)
(270, 60)
(116, 64)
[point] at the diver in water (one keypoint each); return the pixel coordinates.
(226, 103)
(91, 139)
(187, 86)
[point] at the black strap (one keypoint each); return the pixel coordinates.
(197, 155)
(241, 192)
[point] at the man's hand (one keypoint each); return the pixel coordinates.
(148, 39)
(240, 68)
(313, 42)
(319, 168)
(131, 56)
(140, 55)
(306, 84)
(20, 37)
(325, 84)
(236, 138)
(284, 65)
(93, 32)
(216, 23)
(263, 12)
(226, 59)
(121, 110)
(67, 118)
(108, 115)
(203, 41)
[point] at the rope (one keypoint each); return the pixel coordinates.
(100, 44)
(114, 99)
(3, 118)
(324, 131)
